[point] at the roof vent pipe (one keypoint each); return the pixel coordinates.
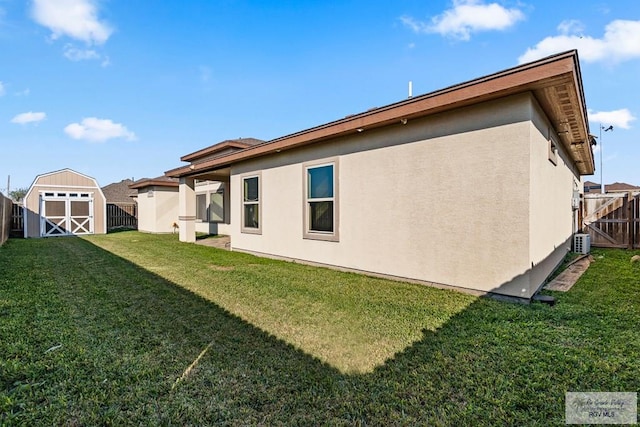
(410, 89)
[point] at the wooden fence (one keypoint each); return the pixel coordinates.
(17, 221)
(5, 218)
(613, 219)
(122, 215)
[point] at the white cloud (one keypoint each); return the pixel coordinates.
(467, 17)
(25, 92)
(571, 26)
(77, 19)
(616, 118)
(98, 130)
(2, 90)
(74, 54)
(621, 41)
(29, 117)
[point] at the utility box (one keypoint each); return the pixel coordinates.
(582, 243)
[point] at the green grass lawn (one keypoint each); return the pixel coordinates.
(136, 329)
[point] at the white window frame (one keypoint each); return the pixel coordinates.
(258, 203)
(307, 232)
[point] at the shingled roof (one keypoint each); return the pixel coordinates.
(119, 192)
(620, 186)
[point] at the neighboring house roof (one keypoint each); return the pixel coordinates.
(161, 181)
(555, 82)
(610, 188)
(119, 192)
(591, 187)
(620, 186)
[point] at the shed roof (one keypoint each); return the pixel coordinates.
(36, 180)
(555, 82)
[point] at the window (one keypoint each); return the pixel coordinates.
(210, 206)
(201, 207)
(553, 151)
(216, 207)
(552, 147)
(321, 219)
(251, 204)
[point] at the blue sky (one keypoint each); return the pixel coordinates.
(121, 89)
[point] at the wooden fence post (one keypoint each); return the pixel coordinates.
(2, 224)
(630, 219)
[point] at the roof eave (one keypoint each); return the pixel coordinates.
(152, 183)
(213, 149)
(524, 78)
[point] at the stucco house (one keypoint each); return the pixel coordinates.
(157, 200)
(394, 191)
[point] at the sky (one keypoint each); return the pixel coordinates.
(120, 89)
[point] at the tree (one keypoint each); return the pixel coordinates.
(18, 194)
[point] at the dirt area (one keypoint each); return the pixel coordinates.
(565, 280)
(220, 242)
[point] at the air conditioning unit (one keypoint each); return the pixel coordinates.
(581, 243)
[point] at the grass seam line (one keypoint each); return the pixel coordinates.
(193, 364)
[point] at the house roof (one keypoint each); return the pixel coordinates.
(119, 192)
(620, 186)
(221, 148)
(555, 82)
(161, 181)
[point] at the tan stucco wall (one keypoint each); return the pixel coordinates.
(67, 182)
(444, 199)
(158, 212)
(553, 220)
(467, 199)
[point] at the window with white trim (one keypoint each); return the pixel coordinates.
(321, 207)
(251, 204)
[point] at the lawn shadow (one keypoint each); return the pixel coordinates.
(151, 351)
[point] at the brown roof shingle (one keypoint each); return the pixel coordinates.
(119, 192)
